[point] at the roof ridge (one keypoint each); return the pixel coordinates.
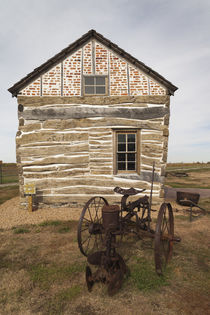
(78, 43)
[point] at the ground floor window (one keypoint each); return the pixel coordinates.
(126, 151)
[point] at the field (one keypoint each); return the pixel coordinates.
(8, 173)
(42, 270)
(198, 175)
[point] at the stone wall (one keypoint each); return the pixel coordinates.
(65, 145)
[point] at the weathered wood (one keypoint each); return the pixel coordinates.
(48, 136)
(80, 200)
(57, 160)
(105, 100)
(151, 148)
(149, 161)
(75, 112)
(152, 136)
(80, 170)
(30, 127)
(71, 151)
(100, 148)
(166, 120)
(144, 176)
(153, 99)
(102, 123)
(101, 172)
(99, 181)
(79, 190)
(165, 132)
(52, 150)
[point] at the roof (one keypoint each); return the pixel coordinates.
(76, 45)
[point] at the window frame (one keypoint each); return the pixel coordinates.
(115, 151)
(95, 76)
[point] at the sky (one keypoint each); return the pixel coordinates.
(171, 37)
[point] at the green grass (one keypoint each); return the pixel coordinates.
(186, 185)
(8, 173)
(145, 278)
(44, 275)
(7, 193)
(21, 231)
(57, 303)
(9, 179)
(64, 229)
(182, 217)
(51, 223)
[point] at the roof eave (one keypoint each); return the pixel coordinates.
(15, 89)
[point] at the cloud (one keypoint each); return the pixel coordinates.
(172, 37)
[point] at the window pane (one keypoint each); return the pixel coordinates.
(121, 137)
(131, 147)
(131, 166)
(122, 147)
(89, 90)
(131, 137)
(89, 80)
(100, 90)
(131, 156)
(121, 166)
(121, 156)
(100, 80)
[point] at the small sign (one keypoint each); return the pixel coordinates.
(29, 189)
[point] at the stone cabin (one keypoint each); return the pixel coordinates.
(91, 118)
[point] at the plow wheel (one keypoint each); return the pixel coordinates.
(164, 235)
(89, 233)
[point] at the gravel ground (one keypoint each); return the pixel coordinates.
(11, 215)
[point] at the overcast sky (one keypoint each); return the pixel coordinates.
(172, 37)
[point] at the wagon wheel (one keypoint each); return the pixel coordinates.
(89, 233)
(164, 234)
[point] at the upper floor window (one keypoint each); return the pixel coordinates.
(95, 85)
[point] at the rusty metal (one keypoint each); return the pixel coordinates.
(90, 229)
(190, 200)
(150, 201)
(97, 232)
(110, 215)
(164, 237)
(185, 198)
(111, 266)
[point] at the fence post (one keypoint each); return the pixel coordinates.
(1, 180)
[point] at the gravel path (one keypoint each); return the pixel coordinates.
(11, 215)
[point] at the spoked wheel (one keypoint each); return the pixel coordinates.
(89, 233)
(164, 235)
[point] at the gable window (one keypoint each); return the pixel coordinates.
(126, 153)
(95, 85)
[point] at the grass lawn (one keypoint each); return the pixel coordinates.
(198, 176)
(43, 272)
(46, 273)
(8, 192)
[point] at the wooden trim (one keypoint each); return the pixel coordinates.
(114, 152)
(41, 85)
(128, 79)
(138, 135)
(72, 112)
(95, 75)
(108, 100)
(62, 78)
(138, 151)
(93, 57)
